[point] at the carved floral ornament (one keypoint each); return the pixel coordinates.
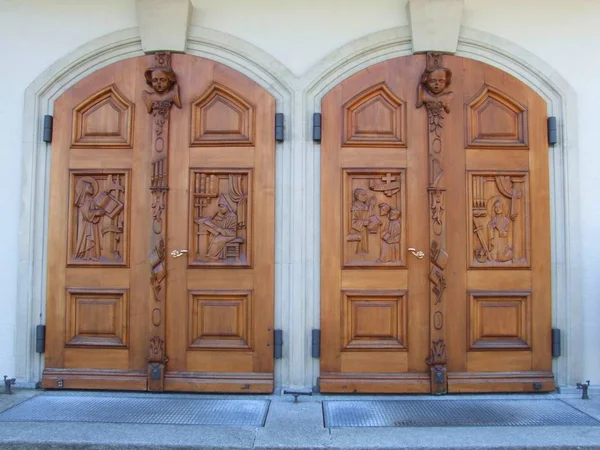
(434, 94)
(165, 93)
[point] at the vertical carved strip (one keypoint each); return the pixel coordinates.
(164, 93)
(433, 93)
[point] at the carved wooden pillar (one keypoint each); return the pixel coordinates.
(164, 93)
(434, 94)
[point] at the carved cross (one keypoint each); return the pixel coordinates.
(388, 179)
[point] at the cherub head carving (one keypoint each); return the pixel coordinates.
(437, 80)
(161, 80)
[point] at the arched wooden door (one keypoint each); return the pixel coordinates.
(435, 234)
(161, 231)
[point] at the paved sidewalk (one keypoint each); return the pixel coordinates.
(292, 425)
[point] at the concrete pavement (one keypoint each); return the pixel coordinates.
(292, 425)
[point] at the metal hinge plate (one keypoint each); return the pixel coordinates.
(317, 118)
(278, 344)
(555, 342)
(40, 338)
(47, 134)
(552, 131)
(279, 127)
(316, 343)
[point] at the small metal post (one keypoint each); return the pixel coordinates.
(8, 382)
(584, 387)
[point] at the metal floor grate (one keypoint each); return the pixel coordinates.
(135, 409)
(452, 413)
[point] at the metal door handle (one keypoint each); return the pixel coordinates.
(419, 254)
(178, 253)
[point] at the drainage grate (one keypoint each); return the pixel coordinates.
(454, 413)
(149, 410)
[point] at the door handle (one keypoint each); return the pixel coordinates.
(178, 253)
(419, 254)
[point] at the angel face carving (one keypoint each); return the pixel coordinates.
(437, 80)
(161, 80)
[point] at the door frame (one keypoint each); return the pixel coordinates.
(297, 280)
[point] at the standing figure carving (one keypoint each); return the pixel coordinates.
(99, 219)
(364, 220)
(390, 237)
(89, 242)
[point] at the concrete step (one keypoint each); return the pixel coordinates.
(292, 425)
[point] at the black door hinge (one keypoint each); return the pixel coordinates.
(279, 127)
(555, 342)
(552, 131)
(317, 127)
(278, 344)
(316, 343)
(40, 338)
(47, 134)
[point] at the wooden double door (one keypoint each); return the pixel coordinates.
(435, 231)
(161, 230)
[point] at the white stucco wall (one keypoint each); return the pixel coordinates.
(35, 33)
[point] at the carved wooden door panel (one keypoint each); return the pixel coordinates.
(221, 210)
(435, 231)
(97, 284)
(152, 157)
(374, 293)
(498, 313)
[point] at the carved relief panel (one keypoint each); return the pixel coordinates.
(499, 219)
(221, 228)
(374, 229)
(99, 214)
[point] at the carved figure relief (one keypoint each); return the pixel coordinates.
(221, 218)
(433, 93)
(165, 93)
(499, 220)
(98, 218)
(374, 234)
(165, 90)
